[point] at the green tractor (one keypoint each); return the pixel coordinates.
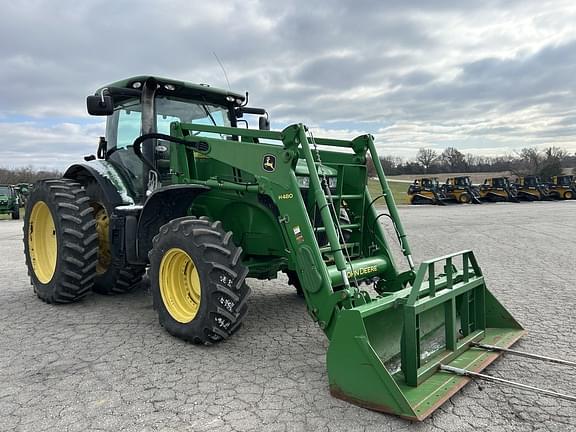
(9, 202)
(177, 187)
(23, 191)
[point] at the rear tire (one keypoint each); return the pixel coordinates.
(568, 195)
(110, 278)
(60, 241)
(197, 280)
(16, 214)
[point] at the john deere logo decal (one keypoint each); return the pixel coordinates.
(269, 163)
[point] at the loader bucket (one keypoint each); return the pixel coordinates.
(386, 355)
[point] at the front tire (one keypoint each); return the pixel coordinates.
(60, 241)
(197, 280)
(16, 214)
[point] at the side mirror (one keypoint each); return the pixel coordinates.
(100, 105)
(263, 123)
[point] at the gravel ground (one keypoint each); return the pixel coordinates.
(105, 364)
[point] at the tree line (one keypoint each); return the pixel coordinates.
(545, 163)
(25, 175)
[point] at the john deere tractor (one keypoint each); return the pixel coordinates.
(177, 187)
(426, 190)
(531, 188)
(497, 189)
(461, 190)
(562, 187)
(9, 202)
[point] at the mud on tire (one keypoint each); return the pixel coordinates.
(76, 248)
(221, 274)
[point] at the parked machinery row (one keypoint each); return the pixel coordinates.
(429, 190)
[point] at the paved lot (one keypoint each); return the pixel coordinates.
(105, 364)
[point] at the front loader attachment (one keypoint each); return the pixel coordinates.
(386, 349)
(386, 355)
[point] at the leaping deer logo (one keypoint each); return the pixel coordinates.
(269, 163)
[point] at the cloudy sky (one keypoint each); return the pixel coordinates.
(486, 76)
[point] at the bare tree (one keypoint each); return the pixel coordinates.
(25, 175)
(426, 158)
(454, 159)
(530, 161)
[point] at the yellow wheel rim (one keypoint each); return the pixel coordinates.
(102, 228)
(42, 242)
(180, 285)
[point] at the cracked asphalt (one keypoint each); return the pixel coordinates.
(105, 364)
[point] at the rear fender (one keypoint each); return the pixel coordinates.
(111, 183)
(116, 194)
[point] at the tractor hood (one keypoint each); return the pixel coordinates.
(302, 169)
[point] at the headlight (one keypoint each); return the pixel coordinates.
(303, 182)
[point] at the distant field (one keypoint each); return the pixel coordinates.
(398, 190)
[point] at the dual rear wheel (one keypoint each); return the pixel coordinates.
(197, 278)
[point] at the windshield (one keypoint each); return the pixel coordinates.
(4, 190)
(170, 110)
(128, 115)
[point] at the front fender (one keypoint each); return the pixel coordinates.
(163, 205)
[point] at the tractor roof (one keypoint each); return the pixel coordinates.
(180, 88)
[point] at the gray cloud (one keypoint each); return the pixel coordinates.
(414, 72)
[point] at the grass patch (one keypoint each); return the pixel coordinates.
(398, 190)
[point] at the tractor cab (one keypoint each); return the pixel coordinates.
(461, 182)
(496, 182)
(141, 106)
